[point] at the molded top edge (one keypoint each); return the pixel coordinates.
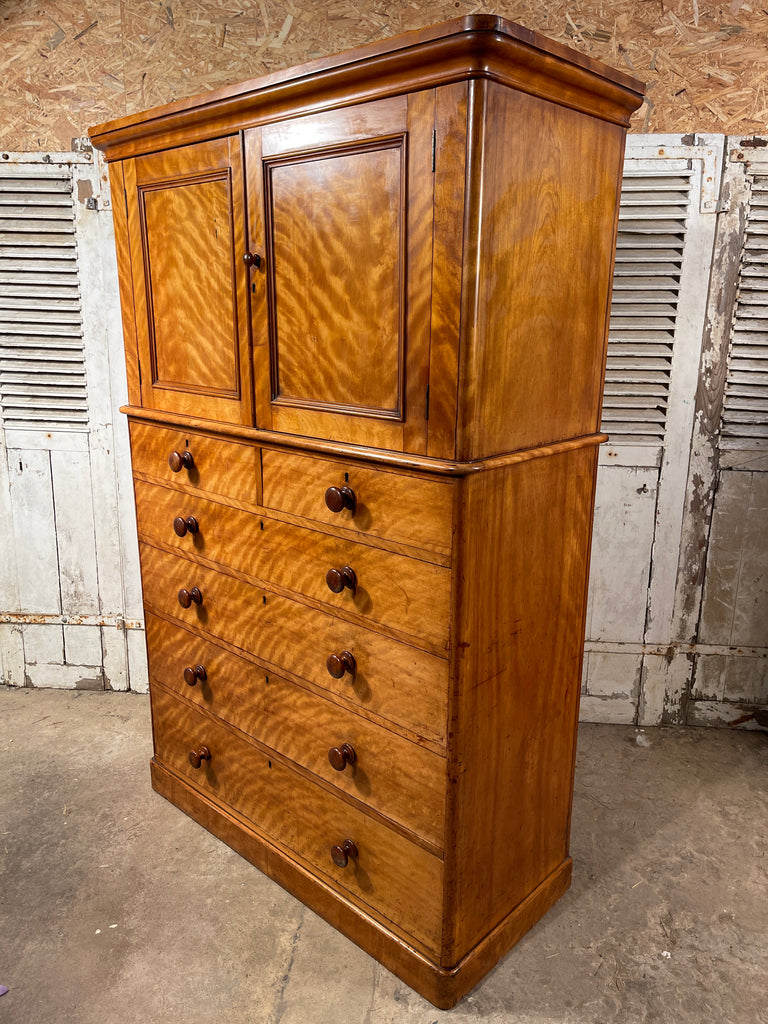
(476, 30)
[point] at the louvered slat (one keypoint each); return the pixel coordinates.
(745, 404)
(646, 289)
(42, 372)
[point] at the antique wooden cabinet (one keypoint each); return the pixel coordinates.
(365, 306)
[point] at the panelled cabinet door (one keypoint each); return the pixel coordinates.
(340, 207)
(185, 219)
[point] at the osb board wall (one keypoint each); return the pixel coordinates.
(67, 64)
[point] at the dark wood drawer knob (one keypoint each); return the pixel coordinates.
(196, 757)
(338, 664)
(187, 597)
(181, 460)
(343, 853)
(339, 579)
(194, 674)
(182, 526)
(252, 259)
(339, 498)
(341, 756)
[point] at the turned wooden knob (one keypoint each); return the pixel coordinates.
(196, 757)
(252, 259)
(338, 664)
(341, 756)
(181, 460)
(182, 526)
(343, 853)
(187, 597)
(339, 498)
(194, 674)
(338, 579)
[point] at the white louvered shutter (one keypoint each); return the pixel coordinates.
(745, 405)
(646, 292)
(42, 372)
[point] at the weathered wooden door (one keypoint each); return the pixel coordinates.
(186, 221)
(340, 217)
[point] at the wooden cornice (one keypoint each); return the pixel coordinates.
(475, 47)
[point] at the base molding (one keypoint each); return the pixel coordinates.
(442, 986)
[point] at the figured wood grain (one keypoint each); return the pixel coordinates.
(448, 264)
(406, 594)
(338, 271)
(515, 685)
(393, 680)
(543, 231)
(395, 877)
(390, 874)
(219, 466)
(344, 316)
(380, 936)
(400, 779)
(419, 258)
(185, 219)
(430, 467)
(237, 774)
(124, 276)
(178, 273)
(391, 899)
(393, 506)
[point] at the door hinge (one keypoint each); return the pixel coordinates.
(434, 148)
(426, 404)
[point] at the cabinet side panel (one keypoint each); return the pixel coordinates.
(523, 556)
(547, 226)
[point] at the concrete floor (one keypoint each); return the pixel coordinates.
(115, 907)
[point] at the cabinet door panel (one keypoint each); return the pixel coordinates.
(337, 276)
(343, 212)
(186, 226)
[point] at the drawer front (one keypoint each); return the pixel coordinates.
(394, 680)
(400, 881)
(402, 780)
(405, 509)
(229, 468)
(236, 773)
(406, 594)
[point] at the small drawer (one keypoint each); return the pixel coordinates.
(214, 465)
(412, 510)
(394, 590)
(222, 765)
(399, 778)
(391, 679)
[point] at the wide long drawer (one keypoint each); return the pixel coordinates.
(397, 681)
(406, 594)
(398, 879)
(397, 777)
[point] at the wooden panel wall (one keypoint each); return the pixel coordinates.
(66, 65)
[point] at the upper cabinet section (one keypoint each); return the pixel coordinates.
(405, 247)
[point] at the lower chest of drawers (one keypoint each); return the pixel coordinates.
(317, 719)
